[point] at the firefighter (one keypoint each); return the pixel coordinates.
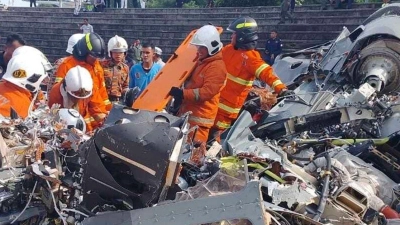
(70, 47)
(244, 65)
(86, 53)
(116, 72)
(39, 96)
(13, 41)
(22, 78)
(75, 91)
(201, 91)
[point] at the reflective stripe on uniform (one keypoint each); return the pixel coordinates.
(89, 120)
(223, 125)
(241, 25)
(88, 43)
(240, 80)
(228, 108)
(107, 102)
(276, 83)
(196, 94)
(260, 69)
(58, 79)
(200, 120)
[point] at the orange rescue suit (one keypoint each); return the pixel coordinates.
(85, 107)
(243, 66)
(16, 97)
(99, 87)
(201, 94)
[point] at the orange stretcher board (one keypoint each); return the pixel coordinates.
(176, 70)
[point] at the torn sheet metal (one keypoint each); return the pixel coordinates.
(295, 193)
(240, 140)
(245, 204)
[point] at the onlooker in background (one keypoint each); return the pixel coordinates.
(135, 51)
(99, 5)
(117, 4)
(124, 4)
(179, 3)
(285, 7)
(157, 56)
(136, 4)
(78, 6)
(142, 4)
(143, 73)
(339, 4)
(33, 2)
(13, 41)
(385, 3)
(292, 5)
(86, 27)
(210, 4)
(108, 3)
(273, 48)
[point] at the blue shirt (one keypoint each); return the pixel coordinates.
(140, 78)
(274, 46)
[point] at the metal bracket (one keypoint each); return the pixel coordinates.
(245, 204)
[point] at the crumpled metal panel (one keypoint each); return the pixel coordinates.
(240, 140)
(245, 204)
(295, 193)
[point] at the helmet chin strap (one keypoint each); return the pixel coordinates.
(246, 46)
(30, 109)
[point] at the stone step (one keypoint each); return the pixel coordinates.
(13, 20)
(201, 10)
(177, 41)
(56, 51)
(111, 29)
(148, 35)
(182, 15)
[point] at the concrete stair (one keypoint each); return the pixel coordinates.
(49, 28)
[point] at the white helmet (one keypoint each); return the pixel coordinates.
(34, 52)
(78, 82)
(72, 41)
(117, 44)
(71, 119)
(158, 51)
(208, 36)
(25, 71)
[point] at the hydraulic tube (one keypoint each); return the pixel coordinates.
(325, 188)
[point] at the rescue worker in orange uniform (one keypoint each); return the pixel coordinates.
(244, 65)
(22, 78)
(201, 91)
(70, 47)
(75, 92)
(86, 53)
(116, 72)
(40, 97)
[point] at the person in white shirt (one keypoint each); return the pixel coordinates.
(142, 4)
(78, 6)
(157, 56)
(86, 27)
(124, 4)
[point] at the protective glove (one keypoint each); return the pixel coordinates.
(177, 93)
(130, 96)
(285, 93)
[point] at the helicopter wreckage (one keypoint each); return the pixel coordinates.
(329, 154)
